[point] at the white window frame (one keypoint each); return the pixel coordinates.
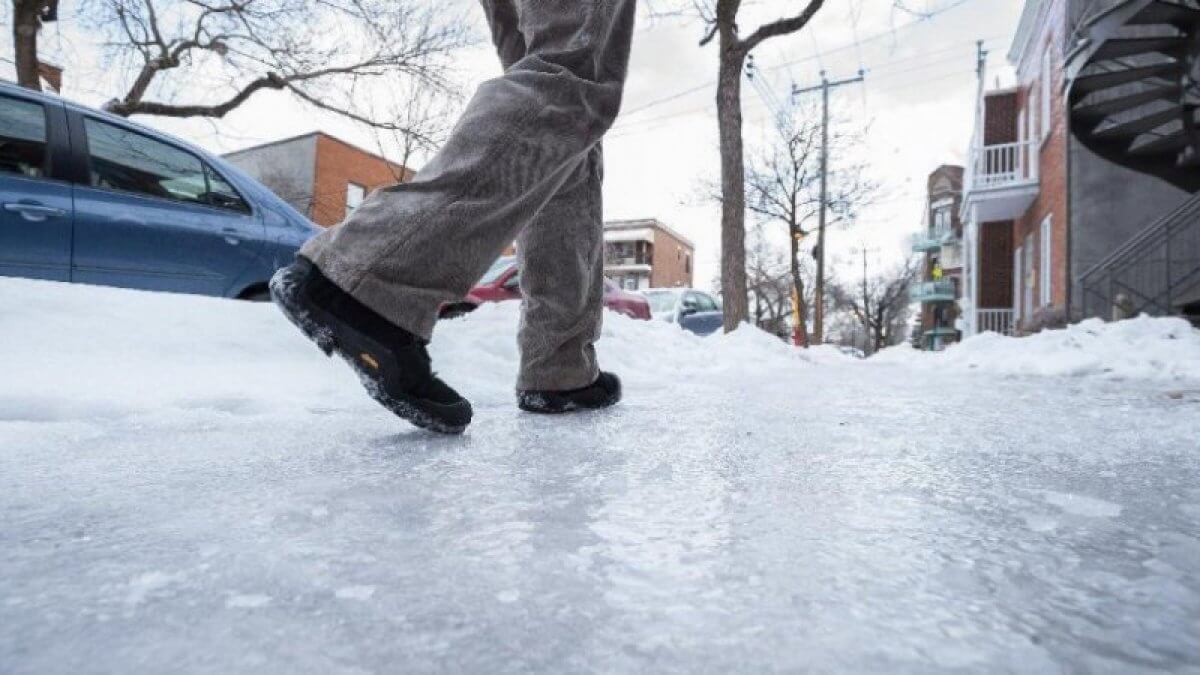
(351, 202)
(1018, 279)
(1027, 296)
(1045, 280)
(1047, 90)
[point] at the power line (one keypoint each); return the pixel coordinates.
(857, 44)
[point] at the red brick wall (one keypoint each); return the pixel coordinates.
(1000, 117)
(995, 265)
(1052, 195)
(674, 262)
(338, 163)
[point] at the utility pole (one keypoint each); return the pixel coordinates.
(819, 252)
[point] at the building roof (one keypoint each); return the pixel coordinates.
(315, 134)
(643, 223)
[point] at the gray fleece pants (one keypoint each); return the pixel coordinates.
(523, 163)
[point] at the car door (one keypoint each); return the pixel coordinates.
(156, 216)
(35, 200)
(704, 314)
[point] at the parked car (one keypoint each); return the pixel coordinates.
(695, 311)
(93, 198)
(502, 282)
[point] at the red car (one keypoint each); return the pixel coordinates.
(500, 283)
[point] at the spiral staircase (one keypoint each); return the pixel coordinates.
(1134, 100)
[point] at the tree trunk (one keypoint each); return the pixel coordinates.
(801, 327)
(733, 183)
(26, 23)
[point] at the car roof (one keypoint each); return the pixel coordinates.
(56, 99)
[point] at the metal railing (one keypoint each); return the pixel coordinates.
(934, 291)
(1151, 272)
(996, 166)
(994, 321)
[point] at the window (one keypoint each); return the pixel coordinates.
(1027, 267)
(1047, 93)
(1044, 275)
(705, 303)
(355, 194)
(687, 263)
(1018, 275)
(22, 138)
(223, 195)
(128, 161)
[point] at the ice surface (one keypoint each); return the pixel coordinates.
(186, 485)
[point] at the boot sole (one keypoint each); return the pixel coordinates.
(283, 295)
(570, 406)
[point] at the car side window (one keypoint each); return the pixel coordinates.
(130, 162)
(706, 303)
(22, 138)
(223, 195)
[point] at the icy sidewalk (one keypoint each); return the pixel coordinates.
(186, 486)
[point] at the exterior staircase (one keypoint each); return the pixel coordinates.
(1157, 272)
(1134, 99)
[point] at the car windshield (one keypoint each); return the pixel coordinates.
(661, 301)
(499, 267)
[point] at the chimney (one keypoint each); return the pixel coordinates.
(51, 75)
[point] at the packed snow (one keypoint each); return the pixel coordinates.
(1142, 348)
(187, 485)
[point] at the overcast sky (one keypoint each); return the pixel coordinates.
(915, 108)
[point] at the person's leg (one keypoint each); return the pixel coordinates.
(562, 282)
(412, 247)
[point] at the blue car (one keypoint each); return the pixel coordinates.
(92, 198)
(694, 311)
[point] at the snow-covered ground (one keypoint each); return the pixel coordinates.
(186, 485)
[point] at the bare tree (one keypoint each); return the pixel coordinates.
(769, 284)
(28, 17)
(879, 304)
(783, 186)
(205, 58)
(721, 22)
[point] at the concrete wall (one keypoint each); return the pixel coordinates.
(1109, 206)
(287, 168)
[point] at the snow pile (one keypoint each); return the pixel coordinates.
(75, 352)
(1141, 348)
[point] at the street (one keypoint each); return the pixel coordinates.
(235, 504)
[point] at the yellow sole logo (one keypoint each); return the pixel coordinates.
(369, 360)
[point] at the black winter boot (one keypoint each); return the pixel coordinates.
(392, 363)
(605, 391)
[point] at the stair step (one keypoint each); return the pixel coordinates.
(1116, 48)
(1087, 84)
(1096, 112)
(1161, 11)
(1136, 127)
(1172, 143)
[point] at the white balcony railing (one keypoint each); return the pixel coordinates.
(994, 320)
(1004, 165)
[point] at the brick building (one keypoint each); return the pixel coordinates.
(940, 240)
(1044, 203)
(323, 177)
(646, 253)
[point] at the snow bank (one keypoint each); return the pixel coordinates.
(1141, 348)
(74, 351)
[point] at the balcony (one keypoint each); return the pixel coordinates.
(994, 321)
(930, 242)
(934, 291)
(1002, 180)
